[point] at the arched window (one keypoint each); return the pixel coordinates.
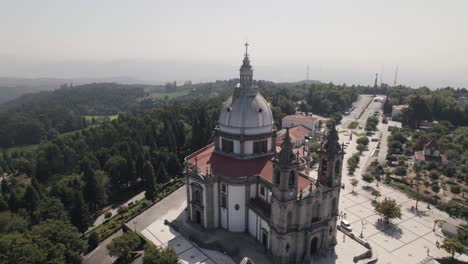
(289, 219)
(196, 196)
(337, 167)
(324, 166)
(292, 179)
(333, 206)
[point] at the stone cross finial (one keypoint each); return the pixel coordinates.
(246, 48)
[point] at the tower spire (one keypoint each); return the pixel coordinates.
(246, 71)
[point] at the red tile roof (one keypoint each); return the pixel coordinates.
(419, 155)
(222, 165)
(301, 118)
(296, 133)
(432, 144)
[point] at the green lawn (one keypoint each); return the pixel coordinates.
(169, 95)
(97, 118)
(20, 149)
(353, 125)
(358, 134)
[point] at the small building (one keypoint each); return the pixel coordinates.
(297, 134)
(394, 124)
(397, 110)
(463, 101)
(430, 153)
(308, 120)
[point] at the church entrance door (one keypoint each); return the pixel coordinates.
(313, 246)
(265, 239)
(197, 217)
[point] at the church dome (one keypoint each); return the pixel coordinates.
(246, 114)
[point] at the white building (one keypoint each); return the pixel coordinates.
(310, 121)
(397, 110)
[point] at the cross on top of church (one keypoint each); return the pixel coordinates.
(246, 48)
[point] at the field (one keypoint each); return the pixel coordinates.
(169, 95)
(20, 149)
(99, 119)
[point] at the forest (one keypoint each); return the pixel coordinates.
(35, 117)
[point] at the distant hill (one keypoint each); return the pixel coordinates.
(11, 88)
(33, 117)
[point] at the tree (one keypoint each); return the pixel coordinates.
(122, 210)
(427, 184)
(400, 171)
(79, 213)
(361, 148)
(418, 111)
(369, 178)
(48, 242)
(150, 181)
(123, 246)
(155, 255)
(455, 190)
(50, 208)
(90, 188)
(376, 194)
(452, 246)
(30, 199)
(363, 140)
(3, 204)
(93, 240)
(354, 183)
(388, 209)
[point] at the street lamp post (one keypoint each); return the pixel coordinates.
(134, 225)
(362, 229)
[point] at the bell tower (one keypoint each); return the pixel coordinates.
(331, 160)
(285, 169)
(284, 203)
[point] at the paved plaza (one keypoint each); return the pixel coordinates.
(151, 224)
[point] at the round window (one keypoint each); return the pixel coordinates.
(236, 207)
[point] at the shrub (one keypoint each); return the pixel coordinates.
(363, 140)
(93, 240)
(435, 187)
(400, 171)
(122, 209)
(108, 215)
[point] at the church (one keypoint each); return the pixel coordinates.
(248, 181)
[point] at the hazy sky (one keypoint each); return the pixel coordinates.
(342, 41)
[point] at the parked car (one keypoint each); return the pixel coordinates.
(346, 225)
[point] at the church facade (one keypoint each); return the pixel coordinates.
(245, 182)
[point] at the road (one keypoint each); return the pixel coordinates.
(101, 218)
(101, 254)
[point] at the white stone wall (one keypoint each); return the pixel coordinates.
(236, 196)
(236, 146)
(248, 147)
(253, 190)
(216, 205)
(256, 223)
(224, 211)
(204, 197)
